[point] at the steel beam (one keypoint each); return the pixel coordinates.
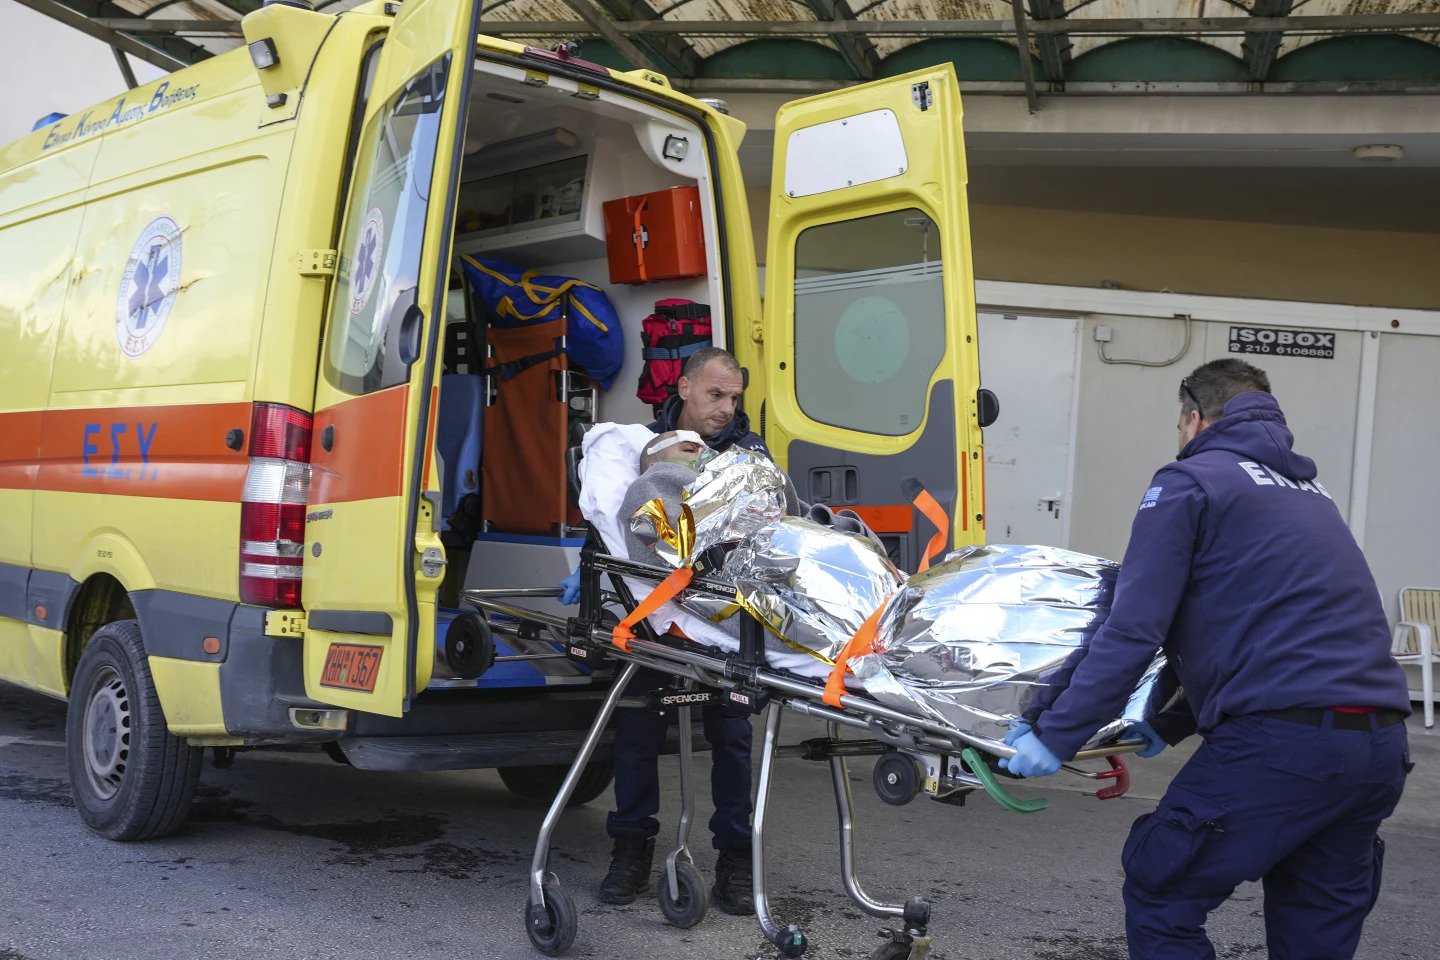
(858, 50)
(1054, 48)
(139, 25)
(604, 26)
(125, 70)
(114, 38)
(1259, 49)
(1388, 22)
(1022, 49)
(676, 56)
(646, 29)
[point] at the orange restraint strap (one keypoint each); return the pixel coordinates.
(665, 590)
(860, 643)
(935, 513)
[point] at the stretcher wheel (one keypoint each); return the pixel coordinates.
(891, 951)
(690, 908)
(792, 942)
(552, 927)
(896, 779)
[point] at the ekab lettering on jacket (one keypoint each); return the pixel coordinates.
(1266, 477)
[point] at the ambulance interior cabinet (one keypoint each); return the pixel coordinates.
(539, 214)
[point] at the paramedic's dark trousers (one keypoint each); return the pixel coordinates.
(638, 737)
(1294, 805)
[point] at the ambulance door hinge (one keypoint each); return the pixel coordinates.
(922, 96)
(285, 623)
(757, 331)
(432, 562)
(317, 262)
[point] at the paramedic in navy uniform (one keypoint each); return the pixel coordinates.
(707, 403)
(1242, 568)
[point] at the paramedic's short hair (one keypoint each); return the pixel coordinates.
(699, 358)
(1214, 384)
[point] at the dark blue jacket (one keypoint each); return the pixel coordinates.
(1241, 566)
(736, 432)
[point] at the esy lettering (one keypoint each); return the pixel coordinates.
(122, 441)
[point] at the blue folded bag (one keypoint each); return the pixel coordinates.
(594, 341)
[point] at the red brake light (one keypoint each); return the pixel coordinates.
(272, 515)
(281, 432)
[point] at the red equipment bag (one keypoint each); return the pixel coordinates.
(676, 331)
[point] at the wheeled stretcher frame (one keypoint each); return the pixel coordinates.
(915, 753)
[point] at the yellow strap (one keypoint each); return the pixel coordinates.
(545, 297)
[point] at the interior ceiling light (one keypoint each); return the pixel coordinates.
(1379, 152)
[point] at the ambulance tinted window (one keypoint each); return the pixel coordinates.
(869, 321)
(378, 275)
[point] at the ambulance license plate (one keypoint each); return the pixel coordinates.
(352, 666)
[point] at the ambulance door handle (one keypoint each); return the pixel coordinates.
(327, 438)
(410, 325)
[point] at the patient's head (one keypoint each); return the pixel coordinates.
(677, 446)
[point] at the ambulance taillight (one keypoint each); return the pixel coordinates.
(272, 514)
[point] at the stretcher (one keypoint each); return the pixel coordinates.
(914, 754)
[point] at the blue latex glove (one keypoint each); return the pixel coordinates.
(570, 589)
(1018, 730)
(1144, 731)
(1032, 758)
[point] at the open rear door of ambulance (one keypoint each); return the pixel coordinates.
(872, 367)
(373, 560)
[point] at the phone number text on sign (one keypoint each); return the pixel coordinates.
(1283, 343)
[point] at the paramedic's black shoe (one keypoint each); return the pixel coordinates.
(631, 860)
(734, 890)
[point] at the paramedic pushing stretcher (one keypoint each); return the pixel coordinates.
(1241, 566)
(707, 404)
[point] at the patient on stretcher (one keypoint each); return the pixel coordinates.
(977, 641)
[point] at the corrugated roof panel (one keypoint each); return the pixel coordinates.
(725, 11)
(1316, 8)
(917, 10)
(1131, 9)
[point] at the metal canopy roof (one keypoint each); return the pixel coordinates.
(1090, 46)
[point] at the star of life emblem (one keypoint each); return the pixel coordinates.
(148, 287)
(365, 268)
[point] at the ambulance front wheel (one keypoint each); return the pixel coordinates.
(552, 927)
(131, 779)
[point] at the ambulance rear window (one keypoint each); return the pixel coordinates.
(378, 279)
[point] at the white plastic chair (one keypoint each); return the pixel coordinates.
(1414, 640)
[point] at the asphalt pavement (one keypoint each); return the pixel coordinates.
(290, 855)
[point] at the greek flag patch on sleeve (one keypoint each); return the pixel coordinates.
(1152, 497)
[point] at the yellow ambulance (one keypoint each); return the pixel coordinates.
(231, 322)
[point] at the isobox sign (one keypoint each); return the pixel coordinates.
(1283, 343)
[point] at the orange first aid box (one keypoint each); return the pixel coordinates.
(655, 236)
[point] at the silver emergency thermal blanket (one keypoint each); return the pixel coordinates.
(993, 633)
(987, 636)
(811, 585)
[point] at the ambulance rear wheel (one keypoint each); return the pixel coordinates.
(131, 779)
(540, 784)
(552, 927)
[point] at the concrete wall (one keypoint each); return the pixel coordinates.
(1266, 261)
